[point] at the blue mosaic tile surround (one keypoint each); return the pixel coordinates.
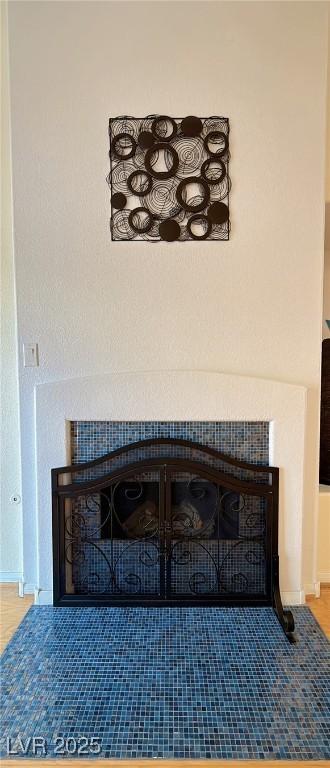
(246, 440)
(92, 439)
(170, 682)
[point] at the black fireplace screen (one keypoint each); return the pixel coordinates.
(166, 522)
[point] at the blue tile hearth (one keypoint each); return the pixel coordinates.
(168, 683)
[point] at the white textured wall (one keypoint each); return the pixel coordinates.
(11, 514)
(252, 306)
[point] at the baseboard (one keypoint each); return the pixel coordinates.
(324, 577)
(313, 589)
(24, 588)
(28, 589)
(10, 577)
(296, 597)
(43, 597)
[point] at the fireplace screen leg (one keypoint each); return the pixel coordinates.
(284, 616)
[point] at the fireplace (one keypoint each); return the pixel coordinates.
(167, 397)
(167, 521)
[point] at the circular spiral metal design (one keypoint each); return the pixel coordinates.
(213, 171)
(120, 226)
(170, 160)
(215, 124)
(189, 194)
(119, 175)
(138, 159)
(220, 191)
(220, 231)
(216, 143)
(140, 183)
(161, 200)
(124, 125)
(140, 220)
(124, 146)
(153, 232)
(199, 227)
(164, 128)
(191, 153)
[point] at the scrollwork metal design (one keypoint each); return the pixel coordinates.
(115, 552)
(225, 559)
(85, 549)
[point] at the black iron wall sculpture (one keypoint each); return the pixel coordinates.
(169, 178)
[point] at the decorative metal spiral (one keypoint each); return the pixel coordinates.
(120, 226)
(220, 191)
(161, 200)
(215, 124)
(139, 157)
(191, 155)
(119, 175)
(124, 125)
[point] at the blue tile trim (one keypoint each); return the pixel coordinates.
(246, 440)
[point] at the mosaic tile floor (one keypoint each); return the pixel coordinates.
(167, 682)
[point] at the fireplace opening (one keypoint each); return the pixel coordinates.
(192, 510)
(167, 522)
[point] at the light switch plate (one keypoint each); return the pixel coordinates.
(30, 355)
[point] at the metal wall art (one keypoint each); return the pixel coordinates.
(169, 178)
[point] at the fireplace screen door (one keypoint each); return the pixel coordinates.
(215, 538)
(144, 527)
(166, 534)
(113, 542)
